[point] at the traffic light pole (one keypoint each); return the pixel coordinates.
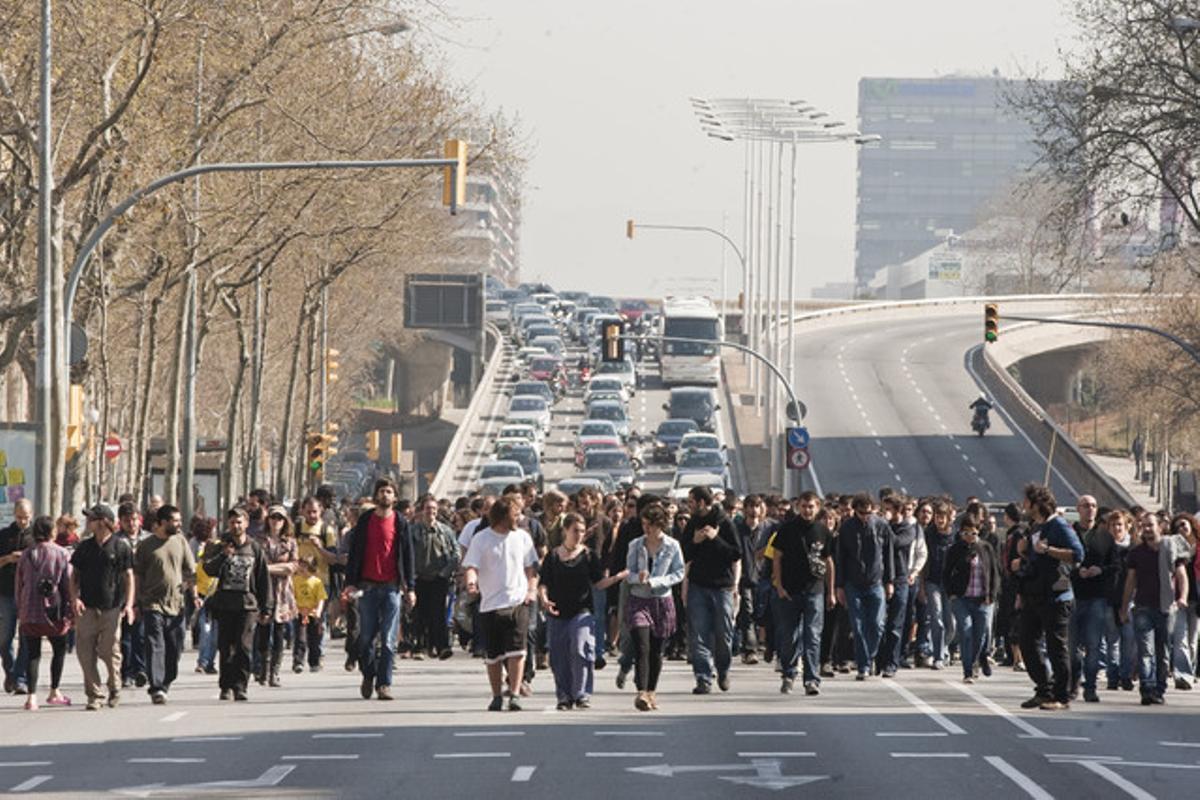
(1126, 326)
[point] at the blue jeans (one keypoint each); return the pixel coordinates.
(974, 621)
(892, 648)
(798, 623)
(206, 646)
(1183, 643)
(1121, 644)
(867, 611)
(1150, 627)
(1088, 622)
(710, 631)
(378, 615)
(15, 667)
(939, 627)
(600, 621)
(133, 648)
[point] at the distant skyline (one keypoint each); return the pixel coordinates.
(602, 93)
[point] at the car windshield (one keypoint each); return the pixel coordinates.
(523, 456)
(615, 413)
(544, 364)
(692, 402)
(531, 388)
(596, 429)
(701, 443)
(701, 458)
(516, 433)
(676, 427)
(607, 459)
(614, 366)
(606, 385)
(499, 469)
(528, 404)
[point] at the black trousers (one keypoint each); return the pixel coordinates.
(235, 640)
(269, 646)
(1052, 620)
(431, 613)
(33, 648)
(647, 659)
(307, 642)
(164, 643)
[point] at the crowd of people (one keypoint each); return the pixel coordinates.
(533, 582)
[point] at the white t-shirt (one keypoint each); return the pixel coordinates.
(468, 532)
(501, 559)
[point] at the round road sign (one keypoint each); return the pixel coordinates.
(799, 459)
(112, 448)
(797, 437)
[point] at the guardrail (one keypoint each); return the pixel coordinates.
(454, 452)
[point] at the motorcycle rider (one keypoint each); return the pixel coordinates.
(981, 406)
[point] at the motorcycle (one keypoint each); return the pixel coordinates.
(980, 422)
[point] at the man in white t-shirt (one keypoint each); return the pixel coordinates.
(502, 569)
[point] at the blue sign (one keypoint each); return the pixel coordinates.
(797, 437)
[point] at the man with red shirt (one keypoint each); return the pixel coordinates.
(379, 564)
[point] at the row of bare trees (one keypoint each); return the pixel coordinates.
(143, 88)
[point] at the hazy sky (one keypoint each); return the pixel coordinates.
(602, 89)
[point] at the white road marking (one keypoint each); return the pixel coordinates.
(982, 482)
(897, 477)
(1180, 744)
(471, 755)
(628, 733)
(165, 760)
(481, 734)
(347, 736)
(196, 739)
(884, 453)
(931, 755)
(964, 456)
(31, 783)
(623, 755)
(323, 757)
(174, 716)
(761, 754)
(770, 733)
(911, 733)
(890, 464)
(1061, 758)
(1116, 780)
(1000, 711)
(879, 442)
(926, 709)
(991, 495)
(958, 447)
(522, 774)
(972, 468)
(25, 763)
(1019, 778)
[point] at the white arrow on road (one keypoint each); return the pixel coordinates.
(769, 776)
(668, 771)
(270, 778)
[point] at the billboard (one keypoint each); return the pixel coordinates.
(443, 301)
(18, 466)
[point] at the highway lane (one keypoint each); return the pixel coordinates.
(888, 401)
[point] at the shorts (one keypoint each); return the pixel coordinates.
(506, 631)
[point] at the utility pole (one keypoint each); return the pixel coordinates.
(191, 345)
(47, 443)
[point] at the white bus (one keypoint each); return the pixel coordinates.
(691, 362)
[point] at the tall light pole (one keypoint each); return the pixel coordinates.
(48, 445)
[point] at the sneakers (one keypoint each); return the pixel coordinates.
(514, 703)
(226, 694)
(600, 662)
(827, 671)
(384, 693)
(1034, 702)
(297, 668)
(860, 676)
(497, 704)
(986, 668)
(526, 689)
(622, 676)
(367, 686)
(158, 698)
(1182, 685)
(445, 654)
(888, 673)
(641, 702)
(811, 689)
(749, 659)
(1113, 684)
(239, 696)
(1090, 696)
(702, 687)
(968, 679)
(114, 699)
(936, 665)
(564, 705)
(1157, 699)
(1019, 666)
(351, 663)
(94, 704)
(787, 686)
(315, 668)
(723, 683)
(583, 703)
(1054, 705)
(417, 655)
(140, 679)
(211, 669)
(1127, 685)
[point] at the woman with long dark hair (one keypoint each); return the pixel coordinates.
(279, 547)
(654, 565)
(43, 594)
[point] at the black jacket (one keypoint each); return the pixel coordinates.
(405, 562)
(712, 560)
(243, 582)
(957, 574)
(1099, 550)
(865, 555)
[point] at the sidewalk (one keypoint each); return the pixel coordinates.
(1120, 469)
(748, 435)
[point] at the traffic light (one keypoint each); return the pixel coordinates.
(628, 229)
(454, 179)
(991, 322)
(320, 448)
(331, 365)
(373, 445)
(613, 346)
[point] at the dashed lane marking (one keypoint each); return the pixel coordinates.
(323, 757)
(483, 734)
(522, 774)
(770, 733)
(1119, 781)
(25, 763)
(1180, 744)
(623, 755)
(912, 734)
(347, 736)
(628, 733)
(765, 754)
(174, 716)
(1031, 732)
(931, 755)
(1019, 778)
(471, 755)
(926, 709)
(166, 760)
(31, 784)
(198, 739)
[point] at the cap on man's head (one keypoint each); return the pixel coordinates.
(101, 511)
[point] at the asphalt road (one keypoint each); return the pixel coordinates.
(888, 406)
(924, 735)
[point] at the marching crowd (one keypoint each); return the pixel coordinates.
(532, 582)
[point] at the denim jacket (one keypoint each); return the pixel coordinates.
(667, 571)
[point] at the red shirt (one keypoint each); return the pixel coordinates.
(379, 555)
